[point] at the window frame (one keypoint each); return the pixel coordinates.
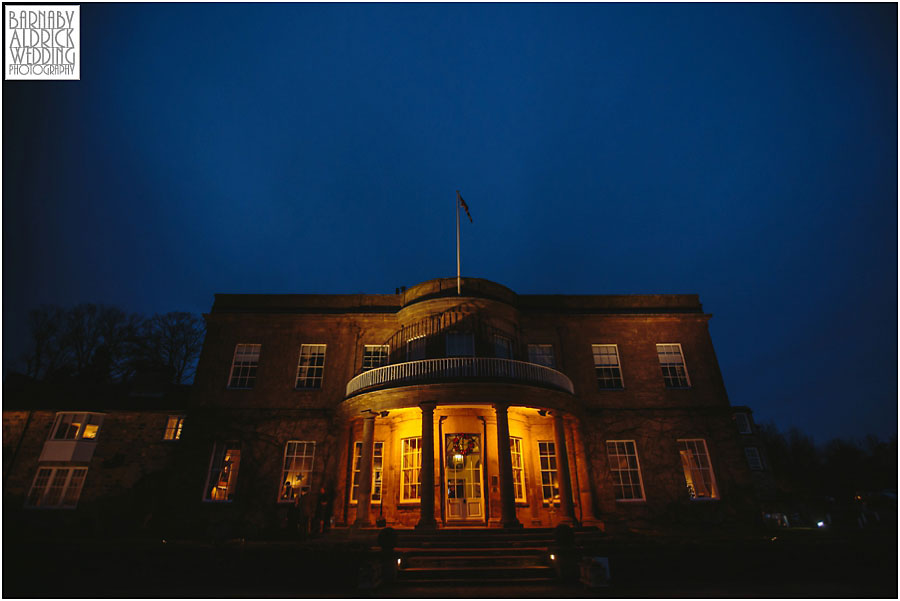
(64, 492)
(222, 448)
(286, 470)
(613, 470)
(663, 366)
(532, 355)
(616, 367)
(84, 419)
(551, 470)
(759, 459)
(416, 458)
(175, 430)
(499, 341)
(743, 420)
(384, 355)
(414, 345)
(317, 369)
(377, 472)
(711, 485)
(516, 448)
(468, 349)
(234, 378)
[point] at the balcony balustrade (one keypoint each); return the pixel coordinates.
(453, 369)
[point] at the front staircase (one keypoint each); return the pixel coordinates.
(475, 556)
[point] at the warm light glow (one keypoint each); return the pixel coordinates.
(458, 458)
(552, 557)
(398, 562)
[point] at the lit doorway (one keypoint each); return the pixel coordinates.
(462, 456)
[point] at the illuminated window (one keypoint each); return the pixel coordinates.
(698, 473)
(56, 487)
(542, 354)
(223, 472)
(377, 469)
(606, 366)
(502, 347)
(671, 361)
(410, 468)
(460, 344)
(173, 427)
(375, 355)
(625, 470)
(296, 470)
(754, 460)
(243, 367)
(76, 426)
(743, 423)
(311, 366)
(549, 487)
(518, 468)
(415, 348)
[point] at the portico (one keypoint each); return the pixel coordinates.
(493, 465)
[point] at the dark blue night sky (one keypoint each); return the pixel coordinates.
(744, 152)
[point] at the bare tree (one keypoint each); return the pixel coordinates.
(48, 352)
(173, 340)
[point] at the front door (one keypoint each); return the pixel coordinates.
(462, 457)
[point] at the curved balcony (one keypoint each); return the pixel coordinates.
(454, 369)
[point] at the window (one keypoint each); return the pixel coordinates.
(549, 487)
(311, 366)
(296, 470)
(606, 366)
(698, 474)
(410, 468)
(76, 426)
(415, 348)
(743, 423)
(518, 468)
(542, 354)
(460, 344)
(672, 363)
(243, 368)
(502, 347)
(56, 487)
(754, 460)
(173, 427)
(377, 470)
(625, 470)
(223, 472)
(375, 355)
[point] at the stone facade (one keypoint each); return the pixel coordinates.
(456, 367)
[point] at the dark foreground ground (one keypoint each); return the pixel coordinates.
(782, 564)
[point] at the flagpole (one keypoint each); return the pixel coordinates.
(458, 278)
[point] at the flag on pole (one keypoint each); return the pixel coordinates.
(463, 204)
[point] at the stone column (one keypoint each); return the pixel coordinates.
(364, 496)
(504, 461)
(563, 477)
(426, 491)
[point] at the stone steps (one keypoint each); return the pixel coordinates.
(475, 556)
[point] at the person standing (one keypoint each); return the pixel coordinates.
(323, 511)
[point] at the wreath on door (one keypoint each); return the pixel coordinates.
(463, 445)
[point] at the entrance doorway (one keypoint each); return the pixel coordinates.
(462, 458)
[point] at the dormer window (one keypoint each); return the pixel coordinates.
(76, 426)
